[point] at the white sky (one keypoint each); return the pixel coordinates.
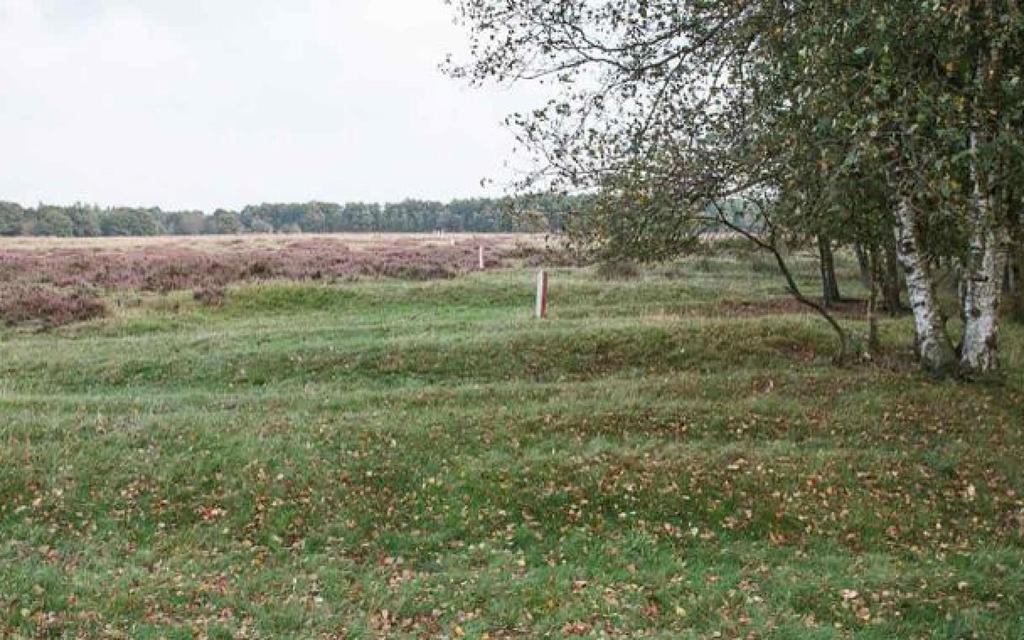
(221, 103)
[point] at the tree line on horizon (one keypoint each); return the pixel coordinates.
(533, 214)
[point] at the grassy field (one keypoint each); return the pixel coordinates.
(670, 456)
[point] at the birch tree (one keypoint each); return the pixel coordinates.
(668, 107)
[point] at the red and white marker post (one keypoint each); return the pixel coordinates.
(481, 257)
(541, 309)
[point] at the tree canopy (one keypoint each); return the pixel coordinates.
(895, 126)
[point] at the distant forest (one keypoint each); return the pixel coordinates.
(536, 214)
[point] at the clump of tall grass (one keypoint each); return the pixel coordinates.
(618, 270)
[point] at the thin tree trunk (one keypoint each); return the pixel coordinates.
(1018, 279)
(933, 345)
(1015, 265)
(874, 344)
(866, 277)
(1010, 279)
(891, 283)
(1016, 272)
(829, 284)
(983, 282)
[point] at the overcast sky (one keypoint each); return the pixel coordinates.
(220, 103)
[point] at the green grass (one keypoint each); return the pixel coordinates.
(395, 459)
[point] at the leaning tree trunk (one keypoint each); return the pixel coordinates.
(829, 284)
(983, 284)
(772, 244)
(933, 345)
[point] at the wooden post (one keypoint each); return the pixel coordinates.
(541, 309)
(481, 255)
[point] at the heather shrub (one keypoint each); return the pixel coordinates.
(8, 272)
(168, 277)
(48, 306)
(163, 269)
(416, 271)
(259, 269)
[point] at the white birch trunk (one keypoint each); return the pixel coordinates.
(984, 281)
(934, 348)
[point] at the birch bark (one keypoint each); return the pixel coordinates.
(983, 284)
(934, 349)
